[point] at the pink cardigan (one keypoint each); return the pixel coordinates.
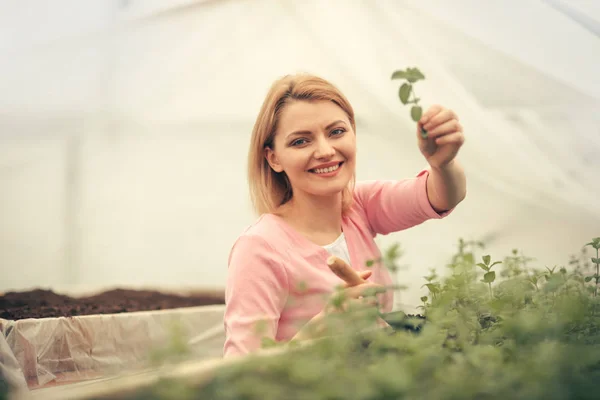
(278, 280)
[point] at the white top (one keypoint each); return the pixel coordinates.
(339, 248)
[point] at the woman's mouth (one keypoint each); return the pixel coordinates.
(329, 171)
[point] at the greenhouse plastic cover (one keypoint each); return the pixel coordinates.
(69, 349)
(131, 120)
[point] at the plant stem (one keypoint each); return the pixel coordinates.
(414, 101)
(597, 274)
(490, 285)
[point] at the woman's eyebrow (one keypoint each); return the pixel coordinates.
(310, 133)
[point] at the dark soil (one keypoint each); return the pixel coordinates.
(47, 304)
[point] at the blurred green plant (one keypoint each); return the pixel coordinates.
(595, 243)
(176, 347)
(524, 333)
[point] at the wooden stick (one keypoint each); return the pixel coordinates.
(344, 271)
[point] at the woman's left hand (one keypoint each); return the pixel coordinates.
(444, 136)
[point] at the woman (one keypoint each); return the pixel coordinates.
(301, 171)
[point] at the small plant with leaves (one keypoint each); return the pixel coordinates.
(432, 285)
(489, 276)
(389, 258)
(595, 243)
(407, 92)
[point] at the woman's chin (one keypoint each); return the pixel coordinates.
(327, 189)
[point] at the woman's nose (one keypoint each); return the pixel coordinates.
(324, 149)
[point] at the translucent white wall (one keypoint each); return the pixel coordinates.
(124, 131)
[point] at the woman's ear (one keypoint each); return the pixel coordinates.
(272, 160)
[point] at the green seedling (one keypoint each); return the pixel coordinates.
(489, 276)
(411, 76)
(595, 243)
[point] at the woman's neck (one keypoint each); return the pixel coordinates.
(319, 217)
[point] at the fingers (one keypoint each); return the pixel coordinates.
(430, 113)
(437, 117)
(355, 292)
(451, 126)
(362, 302)
(438, 121)
(456, 138)
(365, 274)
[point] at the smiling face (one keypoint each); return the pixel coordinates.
(315, 147)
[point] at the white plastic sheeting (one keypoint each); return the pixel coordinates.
(70, 349)
(123, 147)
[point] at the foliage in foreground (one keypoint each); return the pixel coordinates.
(494, 330)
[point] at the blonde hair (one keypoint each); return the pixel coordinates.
(270, 189)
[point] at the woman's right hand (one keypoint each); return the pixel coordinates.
(356, 294)
(351, 296)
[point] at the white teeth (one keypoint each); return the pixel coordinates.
(326, 170)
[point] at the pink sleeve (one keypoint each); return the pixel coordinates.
(255, 294)
(392, 206)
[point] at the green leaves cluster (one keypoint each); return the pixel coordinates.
(595, 243)
(411, 76)
(536, 335)
(489, 276)
(389, 258)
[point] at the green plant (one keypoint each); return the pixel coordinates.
(389, 258)
(411, 76)
(176, 347)
(595, 243)
(530, 338)
(489, 276)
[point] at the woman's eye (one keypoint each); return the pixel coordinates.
(298, 142)
(337, 132)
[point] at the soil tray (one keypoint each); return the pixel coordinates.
(50, 339)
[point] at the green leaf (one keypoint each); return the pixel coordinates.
(424, 299)
(483, 266)
(486, 259)
(400, 74)
(489, 277)
(416, 112)
(588, 278)
(267, 342)
(370, 263)
(410, 74)
(495, 262)
(338, 300)
(595, 243)
(413, 75)
(405, 90)
(433, 288)
(596, 260)
(393, 251)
